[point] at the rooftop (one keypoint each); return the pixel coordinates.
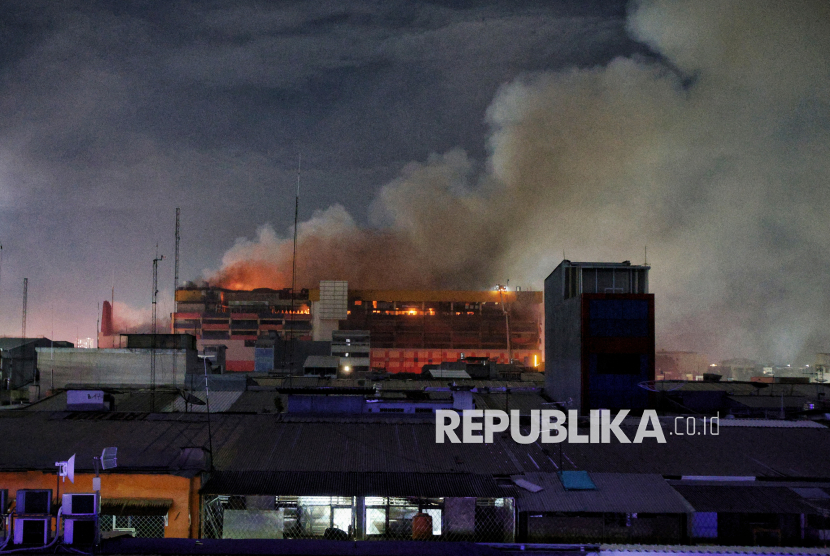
(615, 492)
(153, 442)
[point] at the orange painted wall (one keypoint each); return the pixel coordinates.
(183, 517)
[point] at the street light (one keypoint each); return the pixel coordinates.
(503, 289)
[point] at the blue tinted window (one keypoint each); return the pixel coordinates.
(614, 318)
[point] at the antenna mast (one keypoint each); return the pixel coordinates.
(176, 271)
(25, 298)
(153, 336)
(294, 268)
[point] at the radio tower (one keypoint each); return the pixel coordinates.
(176, 267)
(153, 337)
(25, 298)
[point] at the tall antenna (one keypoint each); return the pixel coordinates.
(176, 271)
(175, 285)
(52, 351)
(294, 269)
(153, 336)
(645, 260)
(25, 300)
(207, 402)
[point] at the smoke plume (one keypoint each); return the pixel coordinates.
(714, 155)
(127, 319)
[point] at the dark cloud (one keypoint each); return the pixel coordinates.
(707, 140)
(112, 114)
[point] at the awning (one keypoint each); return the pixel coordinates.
(745, 499)
(612, 493)
(313, 483)
(135, 506)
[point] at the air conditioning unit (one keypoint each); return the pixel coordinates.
(32, 531)
(80, 504)
(80, 531)
(34, 501)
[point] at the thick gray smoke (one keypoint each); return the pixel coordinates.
(717, 158)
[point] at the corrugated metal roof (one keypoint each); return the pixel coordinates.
(776, 389)
(307, 483)
(811, 493)
(615, 492)
(524, 401)
(683, 550)
(143, 401)
(220, 401)
(448, 373)
(390, 384)
(742, 499)
(321, 362)
(771, 423)
(35, 440)
(258, 401)
(770, 402)
(359, 445)
(397, 384)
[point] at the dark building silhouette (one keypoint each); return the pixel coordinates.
(599, 335)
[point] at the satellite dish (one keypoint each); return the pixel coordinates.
(70, 469)
(190, 398)
(108, 458)
(67, 469)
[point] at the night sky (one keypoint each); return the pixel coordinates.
(443, 144)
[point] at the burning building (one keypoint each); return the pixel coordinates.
(412, 328)
(236, 319)
(407, 329)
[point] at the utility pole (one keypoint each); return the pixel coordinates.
(153, 334)
(25, 300)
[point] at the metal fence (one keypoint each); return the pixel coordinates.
(141, 526)
(358, 518)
